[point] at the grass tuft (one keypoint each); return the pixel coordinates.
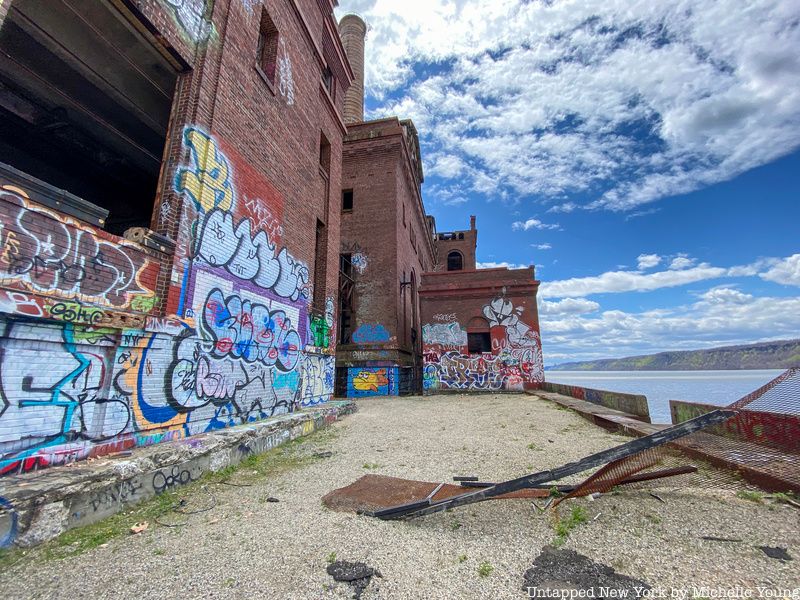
(564, 527)
(485, 569)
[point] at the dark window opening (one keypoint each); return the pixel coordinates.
(346, 298)
(347, 200)
(455, 262)
(85, 101)
(267, 53)
(324, 153)
(320, 266)
(478, 343)
(328, 81)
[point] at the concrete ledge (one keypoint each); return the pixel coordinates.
(633, 404)
(40, 505)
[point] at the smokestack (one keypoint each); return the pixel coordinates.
(472, 222)
(353, 30)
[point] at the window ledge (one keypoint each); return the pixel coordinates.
(263, 76)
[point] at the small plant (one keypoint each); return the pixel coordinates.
(563, 527)
(455, 525)
(750, 495)
(485, 569)
(370, 466)
(462, 558)
(331, 558)
(555, 493)
(158, 551)
(653, 518)
(533, 446)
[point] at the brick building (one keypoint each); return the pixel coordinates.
(400, 278)
(169, 202)
(481, 330)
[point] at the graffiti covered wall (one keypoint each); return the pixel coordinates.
(241, 344)
(514, 362)
(372, 381)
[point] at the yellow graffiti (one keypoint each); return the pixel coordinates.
(10, 246)
(208, 183)
(370, 380)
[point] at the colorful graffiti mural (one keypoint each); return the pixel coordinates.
(50, 254)
(514, 361)
(372, 381)
(244, 347)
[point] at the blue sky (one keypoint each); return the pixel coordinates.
(645, 156)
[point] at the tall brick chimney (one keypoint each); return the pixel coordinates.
(353, 31)
(472, 222)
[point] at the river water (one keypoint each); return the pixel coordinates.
(708, 387)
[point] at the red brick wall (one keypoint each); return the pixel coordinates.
(499, 302)
(464, 241)
(377, 167)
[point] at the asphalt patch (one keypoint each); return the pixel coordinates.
(357, 574)
(775, 552)
(562, 569)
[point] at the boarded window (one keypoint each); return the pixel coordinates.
(267, 55)
(478, 343)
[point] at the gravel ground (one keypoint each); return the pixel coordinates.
(248, 548)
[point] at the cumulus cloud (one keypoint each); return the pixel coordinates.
(544, 246)
(499, 265)
(627, 281)
(623, 102)
(533, 224)
(681, 262)
(568, 306)
(647, 261)
(786, 271)
(718, 318)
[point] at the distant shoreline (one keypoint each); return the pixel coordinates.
(781, 354)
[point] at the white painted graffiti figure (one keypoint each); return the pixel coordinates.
(191, 15)
(223, 244)
(285, 80)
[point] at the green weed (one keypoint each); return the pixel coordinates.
(563, 527)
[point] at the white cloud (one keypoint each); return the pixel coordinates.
(786, 271)
(721, 317)
(624, 101)
(780, 270)
(648, 261)
(627, 281)
(533, 224)
(681, 262)
(568, 306)
(500, 265)
(544, 246)
(725, 295)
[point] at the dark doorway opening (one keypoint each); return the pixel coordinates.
(85, 102)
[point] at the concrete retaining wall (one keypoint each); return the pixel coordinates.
(39, 506)
(772, 429)
(634, 404)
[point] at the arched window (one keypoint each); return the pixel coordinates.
(455, 262)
